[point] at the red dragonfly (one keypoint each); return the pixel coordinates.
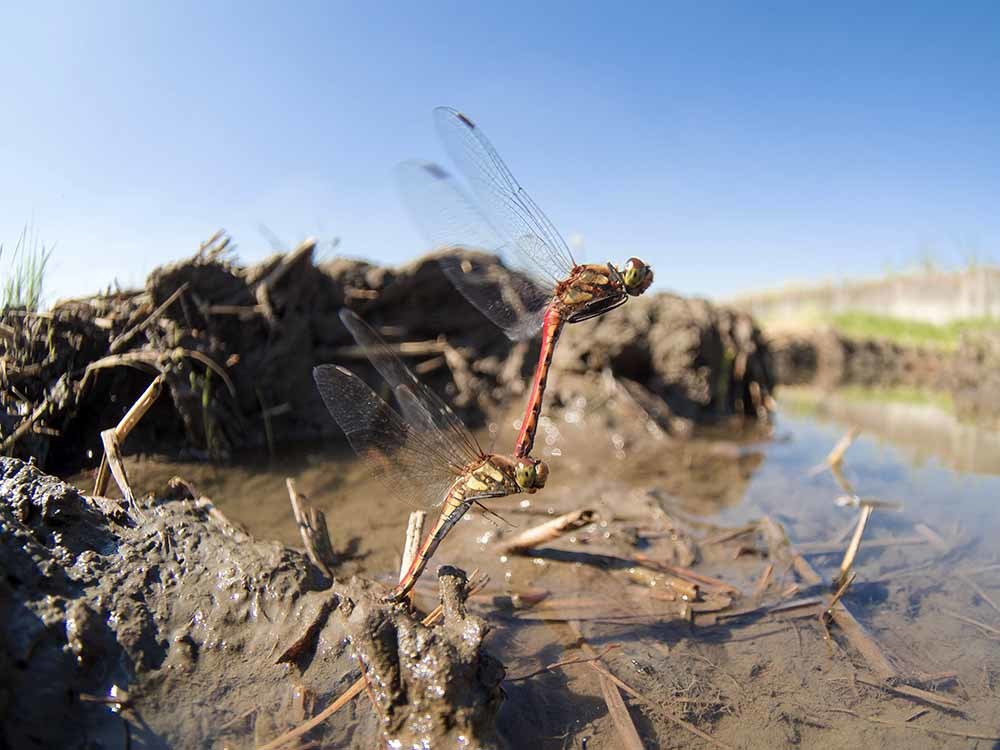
(424, 455)
(548, 287)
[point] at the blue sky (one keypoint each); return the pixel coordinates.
(733, 145)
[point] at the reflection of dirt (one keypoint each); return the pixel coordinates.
(971, 374)
(236, 346)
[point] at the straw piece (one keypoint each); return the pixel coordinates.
(982, 594)
(640, 697)
(617, 709)
(414, 533)
(548, 531)
(125, 426)
(854, 546)
(117, 466)
(124, 338)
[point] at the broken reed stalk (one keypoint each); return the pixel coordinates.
(124, 427)
(836, 456)
(414, 533)
(617, 709)
(853, 630)
(262, 292)
(982, 594)
(113, 454)
(477, 582)
(854, 546)
(120, 341)
(313, 529)
(659, 708)
(548, 531)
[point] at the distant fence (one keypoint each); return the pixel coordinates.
(932, 296)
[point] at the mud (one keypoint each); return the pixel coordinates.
(169, 626)
(236, 346)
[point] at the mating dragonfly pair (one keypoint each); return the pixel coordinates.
(423, 450)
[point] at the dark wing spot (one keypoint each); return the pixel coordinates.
(471, 125)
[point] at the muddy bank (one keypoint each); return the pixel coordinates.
(826, 358)
(165, 625)
(236, 346)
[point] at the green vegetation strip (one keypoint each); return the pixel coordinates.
(909, 332)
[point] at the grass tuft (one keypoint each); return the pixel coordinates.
(24, 280)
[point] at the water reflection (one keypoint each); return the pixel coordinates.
(922, 425)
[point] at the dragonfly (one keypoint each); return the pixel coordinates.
(422, 453)
(547, 288)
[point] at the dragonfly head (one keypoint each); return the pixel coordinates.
(530, 474)
(637, 276)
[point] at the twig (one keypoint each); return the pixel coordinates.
(765, 578)
(853, 630)
(548, 531)
(925, 696)
(414, 533)
(982, 594)
(826, 610)
(114, 456)
(262, 292)
(640, 697)
(124, 338)
(359, 685)
(854, 546)
(313, 529)
(125, 426)
(836, 456)
(977, 735)
(620, 716)
(564, 663)
(25, 425)
(970, 621)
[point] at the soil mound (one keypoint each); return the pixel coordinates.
(236, 347)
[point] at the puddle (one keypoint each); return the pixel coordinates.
(755, 682)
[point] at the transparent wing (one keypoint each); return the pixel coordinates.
(422, 408)
(513, 213)
(399, 456)
(450, 220)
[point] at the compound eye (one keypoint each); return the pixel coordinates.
(525, 475)
(637, 276)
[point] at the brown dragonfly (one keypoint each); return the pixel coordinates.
(422, 454)
(547, 288)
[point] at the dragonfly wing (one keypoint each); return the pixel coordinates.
(451, 221)
(408, 466)
(511, 210)
(422, 408)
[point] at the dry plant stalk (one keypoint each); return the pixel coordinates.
(114, 456)
(120, 341)
(836, 456)
(854, 546)
(414, 533)
(548, 531)
(313, 529)
(125, 426)
(617, 709)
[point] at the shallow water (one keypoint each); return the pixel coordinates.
(759, 681)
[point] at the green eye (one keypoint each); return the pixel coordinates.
(524, 474)
(637, 276)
